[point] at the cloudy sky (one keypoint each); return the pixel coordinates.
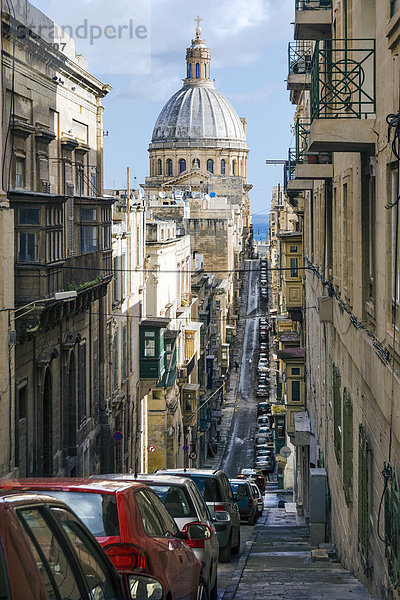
(248, 41)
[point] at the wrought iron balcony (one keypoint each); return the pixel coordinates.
(343, 79)
(293, 186)
(310, 165)
(299, 68)
(313, 19)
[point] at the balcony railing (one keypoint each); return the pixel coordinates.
(299, 58)
(343, 77)
(313, 4)
(289, 168)
(302, 155)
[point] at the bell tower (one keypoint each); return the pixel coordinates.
(198, 59)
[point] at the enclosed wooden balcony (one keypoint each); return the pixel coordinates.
(343, 80)
(313, 19)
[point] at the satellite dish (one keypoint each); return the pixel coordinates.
(161, 194)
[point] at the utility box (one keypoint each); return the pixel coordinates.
(325, 306)
(318, 485)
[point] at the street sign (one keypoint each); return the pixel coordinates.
(193, 455)
(152, 449)
(285, 452)
(118, 436)
(185, 448)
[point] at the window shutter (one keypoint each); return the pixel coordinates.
(347, 446)
(363, 496)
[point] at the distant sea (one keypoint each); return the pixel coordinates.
(260, 227)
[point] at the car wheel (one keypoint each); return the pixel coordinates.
(214, 591)
(226, 553)
(202, 590)
(236, 549)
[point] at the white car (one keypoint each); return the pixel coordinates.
(259, 498)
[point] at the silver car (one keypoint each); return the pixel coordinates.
(259, 498)
(185, 504)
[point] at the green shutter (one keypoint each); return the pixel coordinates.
(124, 365)
(363, 496)
(337, 415)
(392, 525)
(115, 362)
(347, 446)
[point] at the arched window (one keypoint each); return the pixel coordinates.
(197, 71)
(159, 162)
(210, 165)
(205, 70)
(196, 163)
(190, 71)
(234, 167)
(223, 167)
(182, 165)
(169, 167)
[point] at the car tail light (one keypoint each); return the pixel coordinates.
(195, 543)
(126, 557)
(250, 501)
(218, 507)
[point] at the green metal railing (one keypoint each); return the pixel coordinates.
(392, 525)
(313, 4)
(363, 497)
(289, 168)
(299, 58)
(302, 132)
(343, 79)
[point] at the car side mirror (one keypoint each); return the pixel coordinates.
(221, 515)
(195, 534)
(143, 587)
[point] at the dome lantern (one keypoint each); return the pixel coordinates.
(198, 59)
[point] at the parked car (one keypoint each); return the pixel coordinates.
(186, 505)
(218, 495)
(265, 462)
(263, 408)
(41, 536)
(263, 420)
(134, 528)
(262, 392)
(244, 496)
(257, 495)
(264, 430)
(262, 439)
(253, 476)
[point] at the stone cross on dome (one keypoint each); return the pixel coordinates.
(198, 28)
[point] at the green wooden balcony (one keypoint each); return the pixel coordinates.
(313, 19)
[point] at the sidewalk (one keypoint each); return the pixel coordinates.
(276, 564)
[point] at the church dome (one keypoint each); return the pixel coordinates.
(198, 113)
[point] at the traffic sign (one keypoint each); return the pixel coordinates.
(152, 449)
(185, 448)
(118, 436)
(285, 452)
(193, 455)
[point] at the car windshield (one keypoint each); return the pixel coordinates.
(98, 511)
(176, 499)
(240, 489)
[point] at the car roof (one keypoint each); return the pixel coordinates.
(19, 498)
(144, 478)
(68, 484)
(189, 472)
(235, 480)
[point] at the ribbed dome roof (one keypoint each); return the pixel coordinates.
(198, 112)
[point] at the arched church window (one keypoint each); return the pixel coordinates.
(169, 167)
(159, 165)
(190, 71)
(234, 167)
(182, 165)
(196, 163)
(210, 165)
(197, 71)
(223, 167)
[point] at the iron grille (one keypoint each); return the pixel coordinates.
(392, 525)
(343, 76)
(289, 168)
(347, 446)
(337, 415)
(363, 496)
(300, 58)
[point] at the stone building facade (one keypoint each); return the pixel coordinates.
(59, 254)
(344, 170)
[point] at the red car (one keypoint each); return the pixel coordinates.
(46, 552)
(132, 525)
